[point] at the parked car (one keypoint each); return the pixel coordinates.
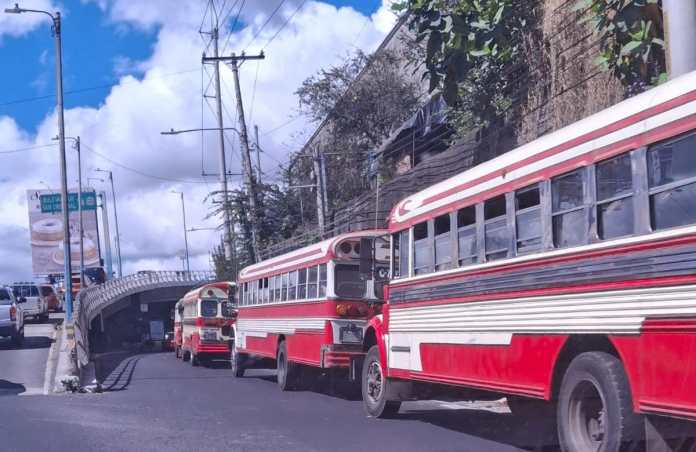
(49, 295)
(32, 303)
(11, 317)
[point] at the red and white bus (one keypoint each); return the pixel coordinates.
(309, 307)
(203, 323)
(562, 271)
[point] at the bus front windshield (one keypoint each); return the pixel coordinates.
(349, 283)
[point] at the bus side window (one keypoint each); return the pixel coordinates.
(265, 291)
(569, 221)
(466, 233)
(614, 197)
(672, 183)
(302, 284)
(422, 257)
(443, 246)
(245, 296)
(284, 287)
(271, 289)
(292, 286)
(496, 229)
(277, 288)
(312, 282)
(322, 280)
(528, 219)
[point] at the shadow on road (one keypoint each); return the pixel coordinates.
(9, 388)
(315, 381)
(115, 370)
(29, 343)
(524, 431)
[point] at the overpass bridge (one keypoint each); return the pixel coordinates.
(117, 311)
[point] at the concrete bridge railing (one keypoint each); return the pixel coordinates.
(91, 301)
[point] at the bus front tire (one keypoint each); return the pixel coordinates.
(374, 387)
(595, 410)
(287, 371)
(194, 359)
(237, 361)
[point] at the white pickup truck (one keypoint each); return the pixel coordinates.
(11, 317)
(30, 300)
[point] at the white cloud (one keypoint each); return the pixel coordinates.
(14, 25)
(126, 126)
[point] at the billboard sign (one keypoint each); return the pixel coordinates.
(46, 230)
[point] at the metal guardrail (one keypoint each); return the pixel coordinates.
(92, 300)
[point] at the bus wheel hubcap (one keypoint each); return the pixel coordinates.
(374, 381)
(587, 416)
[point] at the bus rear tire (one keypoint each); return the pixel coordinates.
(595, 410)
(237, 361)
(374, 387)
(287, 371)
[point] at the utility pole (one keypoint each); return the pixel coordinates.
(227, 215)
(79, 210)
(183, 216)
(243, 136)
(118, 236)
(107, 236)
(258, 151)
(319, 175)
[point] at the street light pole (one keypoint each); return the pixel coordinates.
(183, 214)
(118, 237)
(61, 141)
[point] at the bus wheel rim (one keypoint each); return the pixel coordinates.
(375, 381)
(587, 416)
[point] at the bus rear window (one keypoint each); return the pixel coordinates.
(349, 284)
(209, 308)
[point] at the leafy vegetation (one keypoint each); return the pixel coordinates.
(631, 39)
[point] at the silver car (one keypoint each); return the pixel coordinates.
(30, 300)
(11, 317)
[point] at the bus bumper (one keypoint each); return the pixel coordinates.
(216, 348)
(332, 358)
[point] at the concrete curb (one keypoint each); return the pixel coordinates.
(51, 362)
(65, 367)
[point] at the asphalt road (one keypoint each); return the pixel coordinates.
(155, 402)
(22, 369)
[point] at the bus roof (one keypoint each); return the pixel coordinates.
(218, 289)
(665, 110)
(315, 253)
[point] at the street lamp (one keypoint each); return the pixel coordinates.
(61, 141)
(118, 236)
(183, 215)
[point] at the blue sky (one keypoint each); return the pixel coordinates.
(95, 49)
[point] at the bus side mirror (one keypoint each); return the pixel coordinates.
(366, 261)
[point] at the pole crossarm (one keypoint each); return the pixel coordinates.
(177, 132)
(232, 58)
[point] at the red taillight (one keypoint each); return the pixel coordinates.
(342, 309)
(13, 313)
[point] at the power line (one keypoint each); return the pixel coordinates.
(290, 121)
(285, 23)
(14, 151)
(91, 88)
(139, 172)
(234, 24)
(258, 32)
